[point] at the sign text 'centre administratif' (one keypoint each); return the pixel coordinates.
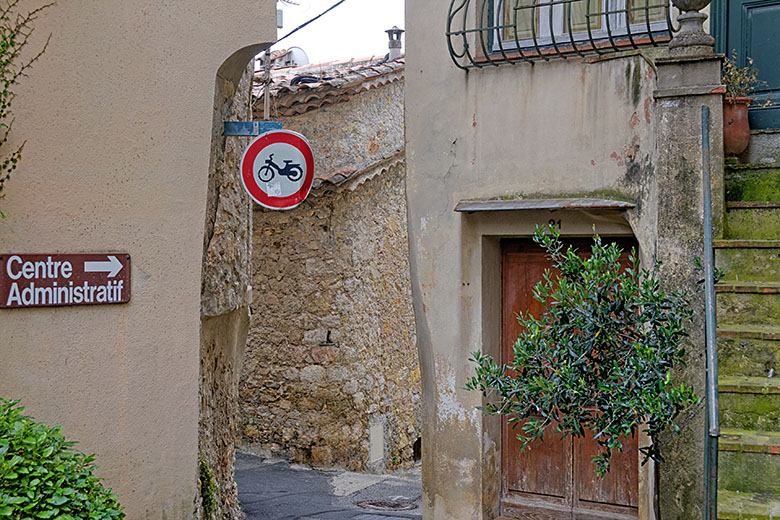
(50, 280)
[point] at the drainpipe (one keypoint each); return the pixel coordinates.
(713, 424)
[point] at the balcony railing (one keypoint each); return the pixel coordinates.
(484, 33)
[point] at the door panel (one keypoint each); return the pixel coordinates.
(544, 467)
(618, 486)
(555, 478)
(751, 30)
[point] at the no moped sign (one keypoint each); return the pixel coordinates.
(277, 169)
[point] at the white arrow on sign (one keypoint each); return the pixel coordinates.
(112, 267)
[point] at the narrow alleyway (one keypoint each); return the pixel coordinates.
(274, 489)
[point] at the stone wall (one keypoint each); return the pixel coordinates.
(331, 365)
(224, 297)
(355, 133)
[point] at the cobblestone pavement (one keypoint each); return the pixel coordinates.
(274, 489)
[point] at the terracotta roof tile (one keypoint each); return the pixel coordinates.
(338, 177)
(358, 177)
(323, 84)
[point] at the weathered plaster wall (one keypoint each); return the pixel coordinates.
(555, 128)
(225, 297)
(331, 350)
(118, 116)
(680, 238)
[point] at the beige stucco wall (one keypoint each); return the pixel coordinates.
(117, 116)
(560, 128)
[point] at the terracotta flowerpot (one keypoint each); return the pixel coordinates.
(736, 130)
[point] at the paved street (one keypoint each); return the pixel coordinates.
(273, 489)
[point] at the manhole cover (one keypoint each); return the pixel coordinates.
(386, 505)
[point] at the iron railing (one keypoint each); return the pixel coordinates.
(484, 33)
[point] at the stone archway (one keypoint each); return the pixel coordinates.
(225, 289)
(225, 299)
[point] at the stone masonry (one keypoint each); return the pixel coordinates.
(224, 299)
(331, 376)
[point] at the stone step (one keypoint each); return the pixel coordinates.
(741, 355)
(752, 182)
(748, 260)
(765, 332)
(750, 403)
(749, 441)
(748, 304)
(733, 505)
(737, 471)
(727, 286)
(752, 220)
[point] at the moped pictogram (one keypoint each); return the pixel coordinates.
(266, 172)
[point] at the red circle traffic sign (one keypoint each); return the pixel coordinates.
(277, 169)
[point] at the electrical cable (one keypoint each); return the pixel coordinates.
(307, 23)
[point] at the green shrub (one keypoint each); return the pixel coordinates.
(599, 359)
(42, 476)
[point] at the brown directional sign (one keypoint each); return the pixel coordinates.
(53, 280)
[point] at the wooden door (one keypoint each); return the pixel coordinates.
(750, 27)
(554, 479)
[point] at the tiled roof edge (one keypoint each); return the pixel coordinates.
(350, 178)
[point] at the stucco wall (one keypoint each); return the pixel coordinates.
(331, 349)
(560, 128)
(118, 117)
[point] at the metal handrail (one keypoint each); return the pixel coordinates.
(484, 33)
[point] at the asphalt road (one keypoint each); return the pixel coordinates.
(273, 489)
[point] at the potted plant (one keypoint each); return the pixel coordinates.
(599, 360)
(740, 84)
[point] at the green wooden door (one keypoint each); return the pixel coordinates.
(751, 28)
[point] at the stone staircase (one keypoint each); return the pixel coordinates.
(748, 306)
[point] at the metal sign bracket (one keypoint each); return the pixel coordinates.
(249, 128)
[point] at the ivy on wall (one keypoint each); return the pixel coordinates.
(15, 31)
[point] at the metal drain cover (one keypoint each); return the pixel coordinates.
(386, 505)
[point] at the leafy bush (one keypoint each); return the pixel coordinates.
(41, 476)
(599, 358)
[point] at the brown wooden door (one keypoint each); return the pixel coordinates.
(554, 479)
